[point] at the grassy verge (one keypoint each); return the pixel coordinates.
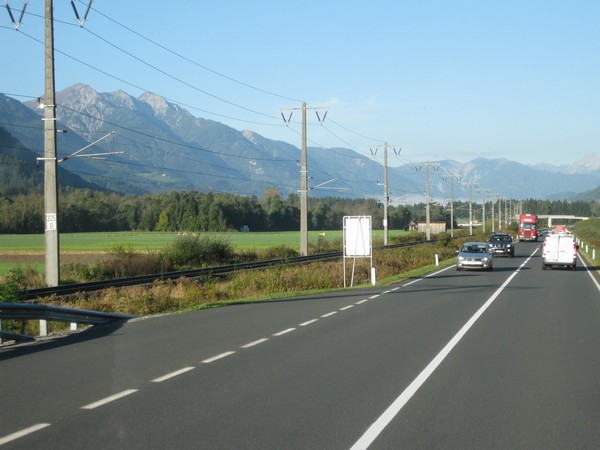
(392, 266)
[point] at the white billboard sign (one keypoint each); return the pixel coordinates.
(357, 236)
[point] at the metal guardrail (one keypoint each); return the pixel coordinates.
(29, 311)
(36, 311)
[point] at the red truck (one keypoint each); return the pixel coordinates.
(528, 228)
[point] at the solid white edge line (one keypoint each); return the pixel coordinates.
(172, 374)
(589, 273)
(308, 322)
(216, 357)
(281, 333)
(346, 307)
(379, 425)
(109, 399)
(253, 343)
(329, 314)
(22, 433)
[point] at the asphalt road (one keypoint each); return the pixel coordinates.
(501, 359)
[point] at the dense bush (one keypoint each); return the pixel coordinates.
(195, 251)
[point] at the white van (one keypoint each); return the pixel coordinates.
(559, 249)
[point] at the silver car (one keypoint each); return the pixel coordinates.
(474, 255)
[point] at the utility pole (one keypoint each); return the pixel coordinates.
(386, 195)
(303, 190)
(470, 209)
(303, 181)
(493, 220)
(499, 213)
(427, 215)
(50, 162)
(452, 206)
(483, 210)
(386, 192)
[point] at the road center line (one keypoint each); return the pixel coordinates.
(214, 358)
(374, 296)
(329, 314)
(109, 399)
(172, 374)
(346, 307)
(360, 302)
(388, 415)
(22, 433)
(252, 344)
(281, 333)
(308, 322)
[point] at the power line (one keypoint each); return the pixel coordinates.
(180, 144)
(179, 80)
(208, 69)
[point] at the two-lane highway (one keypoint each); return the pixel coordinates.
(501, 359)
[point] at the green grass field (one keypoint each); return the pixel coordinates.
(91, 242)
(33, 244)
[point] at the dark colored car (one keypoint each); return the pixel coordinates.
(501, 244)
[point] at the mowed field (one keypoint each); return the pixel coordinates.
(28, 250)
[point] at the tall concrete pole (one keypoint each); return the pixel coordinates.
(483, 210)
(427, 215)
(386, 194)
(50, 162)
(303, 190)
(499, 213)
(493, 224)
(470, 209)
(452, 206)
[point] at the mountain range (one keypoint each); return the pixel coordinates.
(160, 146)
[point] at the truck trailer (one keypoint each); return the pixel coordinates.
(528, 227)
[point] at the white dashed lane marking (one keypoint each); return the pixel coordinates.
(281, 333)
(22, 433)
(217, 357)
(253, 343)
(109, 399)
(172, 374)
(303, 324)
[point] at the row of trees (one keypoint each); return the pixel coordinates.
(83, 210)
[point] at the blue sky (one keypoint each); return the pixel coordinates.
(440, 79)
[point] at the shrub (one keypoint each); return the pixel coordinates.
(10, 290)
(121, 262)
(10, 293)
(194, 251)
